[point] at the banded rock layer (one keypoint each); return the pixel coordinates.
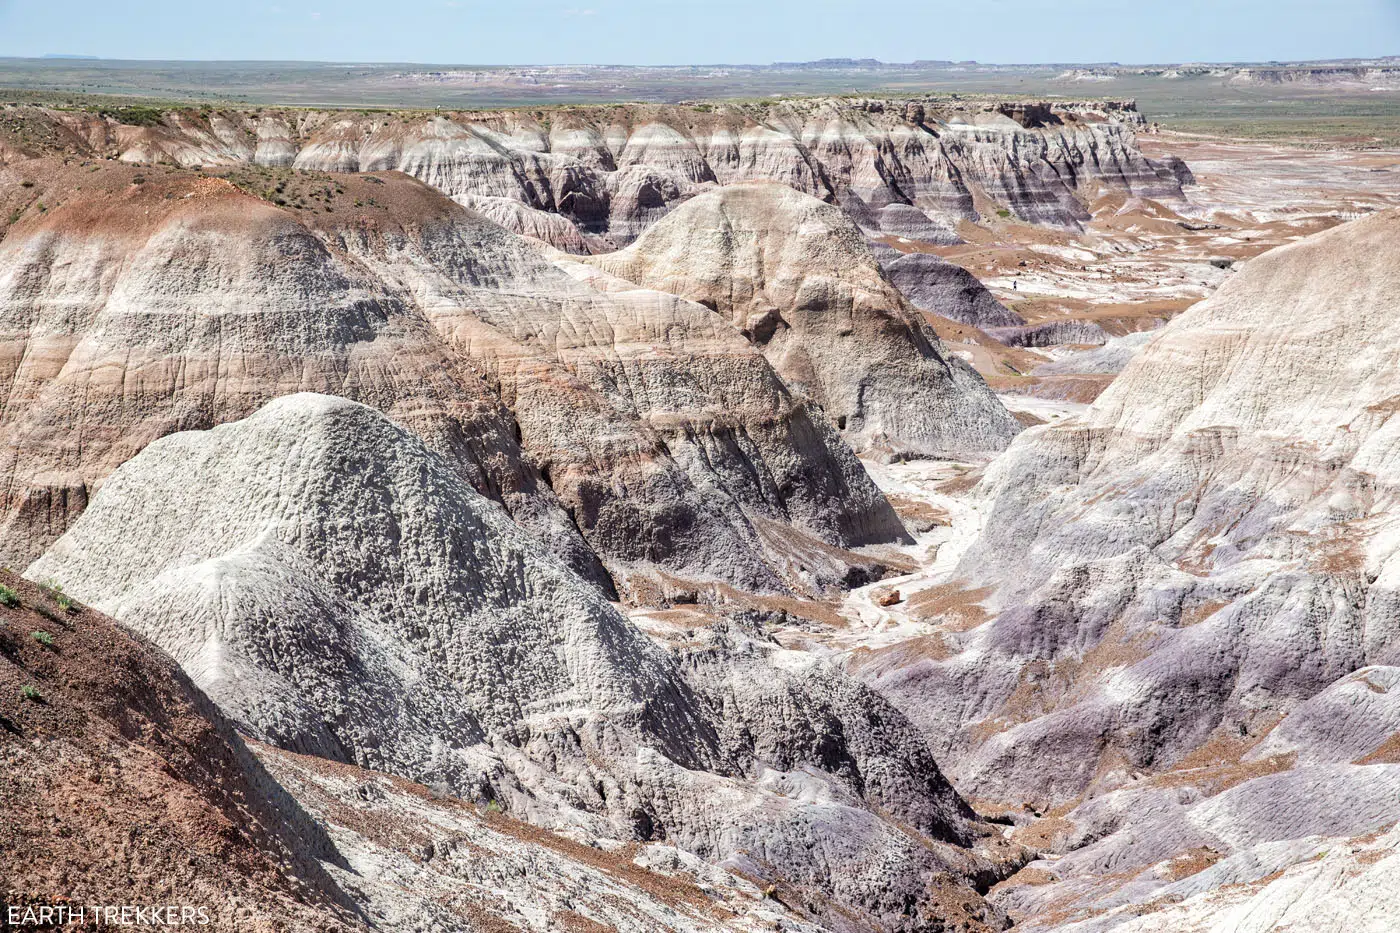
(910, 168)
(624, 426)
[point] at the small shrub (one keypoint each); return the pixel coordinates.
(54, 589)
(31, 694)
(134, 116)
(26, 184)
(43, 638)
(8, 596)
(1003, 213)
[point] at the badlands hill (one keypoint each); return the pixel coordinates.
(124, 784)
(594, 178)
(1195, 629)
(341, 591)
(642, 435)
(791, 274)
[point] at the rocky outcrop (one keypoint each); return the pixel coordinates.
(622, 426)
(1051, 334)
(794, 275)
(911, 168)
(340, 590)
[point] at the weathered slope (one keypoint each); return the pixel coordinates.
(669, 438)
(1196, 620)
(425, 860)
(795, 276)
(636, 427)
(1212, 545)
(340, 590)
(123, 784)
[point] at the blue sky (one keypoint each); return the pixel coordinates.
(703, 31)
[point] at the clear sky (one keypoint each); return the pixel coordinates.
(702, 31)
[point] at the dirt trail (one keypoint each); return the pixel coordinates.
(943, 488)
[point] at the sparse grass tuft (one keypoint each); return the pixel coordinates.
(31, 694)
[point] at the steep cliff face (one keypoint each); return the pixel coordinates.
(795, 277)
(901, 167)
(339, 590)
(619, 423)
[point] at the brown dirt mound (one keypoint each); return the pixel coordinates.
(123, 785)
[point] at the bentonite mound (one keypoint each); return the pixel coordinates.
(796, 277)
(632, 429)
(939, 287)
(1190, 581)
(123, 784)
(340, 590)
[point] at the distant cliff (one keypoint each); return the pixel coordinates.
(912, 168)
